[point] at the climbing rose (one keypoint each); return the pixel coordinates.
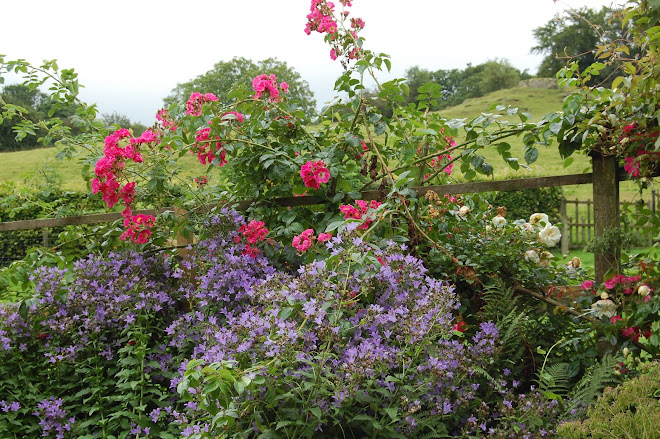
(314, 174)
(196, 100)
(303, 241)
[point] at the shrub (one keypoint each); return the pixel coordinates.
(630, 410)
(523, 203)
(359, 343)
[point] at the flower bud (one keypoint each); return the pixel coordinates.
(604, 295)
(643, 290)
(626, 351)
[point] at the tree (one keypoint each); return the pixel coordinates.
(30, 99)
(240, 71)
(498, 75)
(471, 82)
(574, 38)
(123, 121)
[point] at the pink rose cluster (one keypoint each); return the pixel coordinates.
(207, 150)
(305, 240)
(163, 116)
(321, 19)
(267, 84)
(626, 282)
(137, 228)
(314, 174)
(359, 211)
(109, 168)
(252, 232)
(196, 100)
(201, 181)
(632, 135)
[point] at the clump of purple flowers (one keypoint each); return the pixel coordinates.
(53, 419)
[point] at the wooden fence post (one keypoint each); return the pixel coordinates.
(606, 211)
(564, 227)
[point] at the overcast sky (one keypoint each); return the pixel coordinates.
(130, 54)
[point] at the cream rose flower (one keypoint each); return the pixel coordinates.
(643, 290)
(538, 218)
(532, 256)
(463, 210)
(545, 259)
(550, 235)
(604, 308)
(499, 221)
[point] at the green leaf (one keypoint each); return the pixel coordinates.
(477, 161)
(531, 155)
(316, 411)
(380, 128)
(392, 412)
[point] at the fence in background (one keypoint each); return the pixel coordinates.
(578, 221)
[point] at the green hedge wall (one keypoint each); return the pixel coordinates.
(523, 203)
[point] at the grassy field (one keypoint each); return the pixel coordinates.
(36, 167)
(537, 102)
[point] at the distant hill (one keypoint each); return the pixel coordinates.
(537, 101)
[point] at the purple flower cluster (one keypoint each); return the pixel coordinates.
(362, 329)
(13, 406)
(52, 418)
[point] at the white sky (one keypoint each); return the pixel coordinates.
(130, 54)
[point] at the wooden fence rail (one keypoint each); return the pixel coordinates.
(607, 197)
(308, 200)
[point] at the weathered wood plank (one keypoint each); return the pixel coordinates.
(71, 220)
(448, 189)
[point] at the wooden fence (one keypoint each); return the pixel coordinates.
(605, 180)
(577, 217)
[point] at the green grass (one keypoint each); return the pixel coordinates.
(537, 102)
(37, 167)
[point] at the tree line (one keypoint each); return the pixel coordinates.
(572, 37)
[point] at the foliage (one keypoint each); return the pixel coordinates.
(360, 341)
(574, 37)
(460, 84)
(123, 121)
(47, 202)
(621, 122)
(226, 76)
(523, 203)
(30, 103)
(300, 320)
(628, 410)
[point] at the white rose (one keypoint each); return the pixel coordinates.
(550, 235)
(545, 259)
(463, 210)
(604, 295)
(499, 221)
(488, 228)
(643, 290)
(604, 308)
(532, 256)
(538, 218)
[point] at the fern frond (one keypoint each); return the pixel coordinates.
(595, 379)
(555, 380)
(499, 301)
